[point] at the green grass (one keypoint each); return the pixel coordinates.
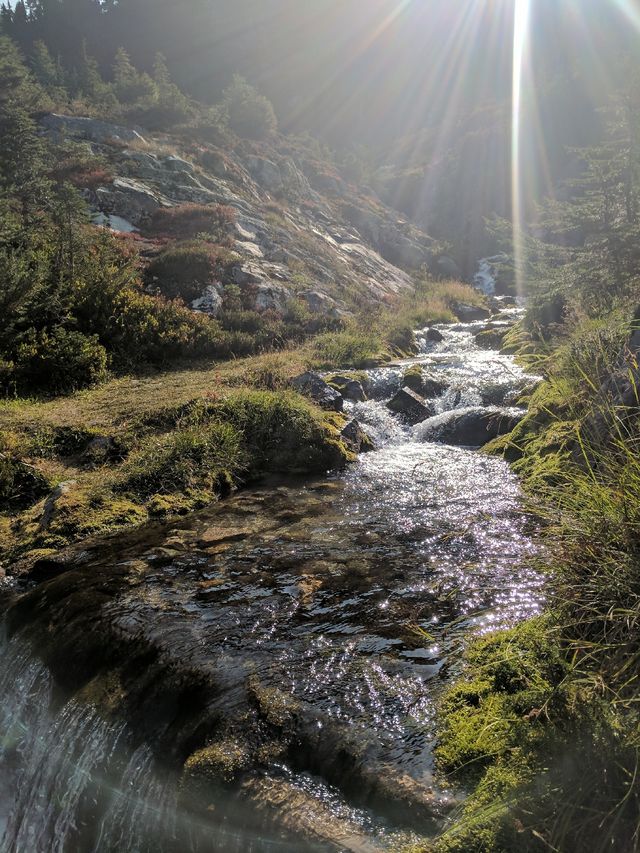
(565, 778)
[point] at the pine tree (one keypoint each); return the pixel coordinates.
(131, 86)
(90, 84)
(47, 72)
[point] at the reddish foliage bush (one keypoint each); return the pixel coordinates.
(188, 220)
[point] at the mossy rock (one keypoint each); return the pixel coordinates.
(491, 339)
(221, 761)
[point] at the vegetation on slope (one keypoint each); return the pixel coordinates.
(544, 730)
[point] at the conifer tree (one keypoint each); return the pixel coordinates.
(131, 86)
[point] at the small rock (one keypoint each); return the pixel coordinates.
(210, 302)
(434, 336)
(356, 438)
(311, 385)
(415, 409)
(470, 313)
(350, 388)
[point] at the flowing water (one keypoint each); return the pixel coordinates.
(305, 629)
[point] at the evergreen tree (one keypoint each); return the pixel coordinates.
(48, 73)
(131, 86)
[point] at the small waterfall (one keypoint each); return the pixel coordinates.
(70, 781)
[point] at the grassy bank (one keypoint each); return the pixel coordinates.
(139, 447)
(544, 731)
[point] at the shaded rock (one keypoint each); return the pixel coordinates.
(434, 336)
(89, 128)
(319, 302)
(130, 199)
(470, 313)
(350, 388)
(472, 427)
(414, 408)
(266, 173)
(356, 438)
(313, 386)
(177, 164)
(424, 384)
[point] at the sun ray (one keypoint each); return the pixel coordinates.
(520, 65)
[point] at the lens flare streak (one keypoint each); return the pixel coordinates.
(520, 60)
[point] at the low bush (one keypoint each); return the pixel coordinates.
(20, 484)
(60, 361)
(188, 220)
(184, 271)
(349, 348)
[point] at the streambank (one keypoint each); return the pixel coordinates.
(284, 651)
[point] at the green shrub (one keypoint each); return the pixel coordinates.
(184, 271)
(250, 114)
(349, 348)
(60, 361)
(20, 484)
(188, 220)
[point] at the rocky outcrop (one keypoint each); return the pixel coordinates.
(472, 427)
(313, 386)
(360, 247)
(90, 128)
(412, 406)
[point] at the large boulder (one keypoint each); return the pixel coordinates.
(424, 384)
(412, 406)
(472, 427)
(313, 386)
(268, 296)
(210, 302)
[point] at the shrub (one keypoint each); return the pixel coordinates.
(250, 114)
(350, 348)
(20, 484)
(60, 361)
(189, 220)
(184, 271)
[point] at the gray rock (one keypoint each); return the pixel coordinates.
(425, 384)
(210, 302)
(89, 128)
(177, 164)
(311, 385)
(132, 200)
(271, 297)
(470, 313)
(411, 405)
(472, 427)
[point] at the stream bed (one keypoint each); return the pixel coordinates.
(293, 638)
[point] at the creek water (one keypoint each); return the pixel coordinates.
(304, 629)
